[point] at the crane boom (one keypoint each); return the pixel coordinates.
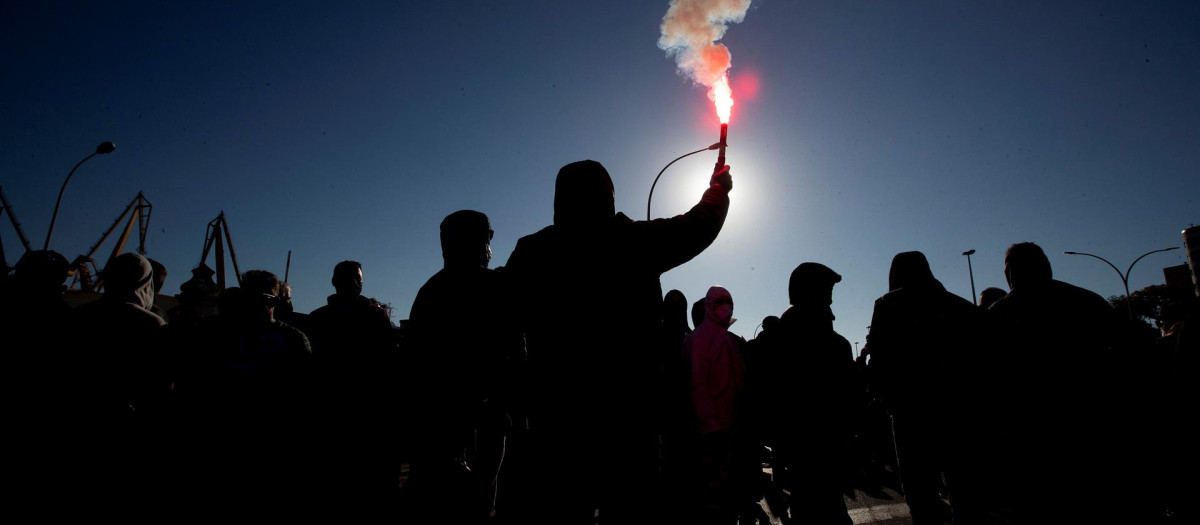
(217, 235)
(6, 207)
(84, 270)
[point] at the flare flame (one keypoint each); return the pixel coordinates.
(722, 97)
(690, 31)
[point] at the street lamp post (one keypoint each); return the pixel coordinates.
(970, 271)
(1125, 276)
(103, 149)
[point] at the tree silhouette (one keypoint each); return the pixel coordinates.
(1158, 305)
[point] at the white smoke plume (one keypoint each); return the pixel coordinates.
(690, 31)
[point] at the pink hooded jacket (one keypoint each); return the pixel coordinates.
(717, 369)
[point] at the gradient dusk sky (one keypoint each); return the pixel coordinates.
(348, 130)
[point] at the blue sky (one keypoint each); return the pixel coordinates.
(349, 130)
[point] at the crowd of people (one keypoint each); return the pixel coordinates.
(565, 388)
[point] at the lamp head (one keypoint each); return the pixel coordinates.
(969, 252)
(105, 148)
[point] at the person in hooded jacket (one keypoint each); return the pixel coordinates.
(130, 375)
(717, 370)
(811, 397)
(717, 380)
(592, 385)
(122, 381)
(918, 338)
(467, 347)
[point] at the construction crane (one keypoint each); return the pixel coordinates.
(6, 207)
(85, 276)
(213, 238)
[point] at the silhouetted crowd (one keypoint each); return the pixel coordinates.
(565, 388)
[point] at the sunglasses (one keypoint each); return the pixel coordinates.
(271, 301)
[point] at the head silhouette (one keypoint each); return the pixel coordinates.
(675, 309)
(347, 278)
(260, 290)
(811, 284)
(770, 323)
(583, 193)
(466, 239)
(41, 272)
(200, 285)
(1025, 264)
(909, 269)
(989, 296)
(230, 303)
(698, 312)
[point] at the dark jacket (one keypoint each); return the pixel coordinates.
(812, 386)
(917, 330)
(348, 327)
(466, 348)
(590, 302)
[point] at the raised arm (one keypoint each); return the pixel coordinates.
(673, 241)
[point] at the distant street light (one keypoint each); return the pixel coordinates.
(1125, 276)
(970, 271)
(103, 149)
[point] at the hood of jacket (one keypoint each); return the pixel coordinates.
(583, 194)
(130, 278)
(910, 270)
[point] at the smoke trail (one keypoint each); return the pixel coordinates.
(690, 30)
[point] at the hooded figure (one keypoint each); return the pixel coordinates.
(592, 387)
(915, 332)
(583, 194)
(122, 357)
(919, 335)
(122, 383)
(130, 279)
(721, 471)
(717, 369)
